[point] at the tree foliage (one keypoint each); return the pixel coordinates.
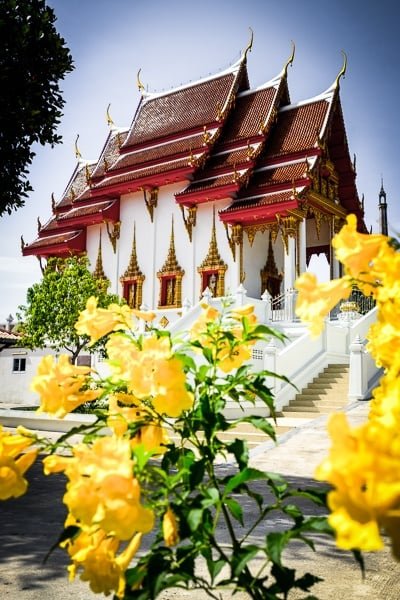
(54, 304)
(33, 58)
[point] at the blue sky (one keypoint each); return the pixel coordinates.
(175, 41)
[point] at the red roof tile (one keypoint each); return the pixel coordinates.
(297, 128)
(76, 185)
(267, 199)
(145, 172)
(274, 176)
(250, 112)
(110, 152)
(154, 153)
(52, 240)
(180, 110)
(81, 211)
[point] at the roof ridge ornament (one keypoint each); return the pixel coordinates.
(140, 85)
(290, 60)
(110, 122)
(78, 154)
(249, 45)
(342, 72)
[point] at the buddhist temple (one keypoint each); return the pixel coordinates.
(213, 185)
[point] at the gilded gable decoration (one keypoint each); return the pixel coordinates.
(252, 230)
(98, 272)
(170, 277)
(113, 235)
(39, 225)
(150, 199)
(189, 219)
(53, 203)
(289, 227)
(212, 269)
(270, 277)
(133, 278)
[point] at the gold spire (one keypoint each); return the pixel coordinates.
(140, 85)
(171, 264)
(98, 273)
(213, 258)
(133, 269)
(342, 71)
(290, 60)
(78, 155)
(110, 122)
(249, 45)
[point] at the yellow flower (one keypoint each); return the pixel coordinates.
(12, 469)
(145, 315)
(102, 489)
(385, 406)
(150, 372)
(198, 331)
(232, 356)
(151, 435)
(59, 385)
(316, 300)
(98, 322)
(95, 554)
(170, 528)
(356, 250)
(363, 467)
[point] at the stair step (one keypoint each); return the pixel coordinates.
(313, 401)
(310, 409)
(318, 385)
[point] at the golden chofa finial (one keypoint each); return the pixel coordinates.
(140, 85)
(342, 71)
(78, 155)
(290, 60)
(110, 122)
(249, 45)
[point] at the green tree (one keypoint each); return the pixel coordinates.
(33, 58)
(54, 304)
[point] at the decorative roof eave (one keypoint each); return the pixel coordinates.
(208, 195)
(110, 213)
(76, 244)
(256, 214)
(156, 180)
(211, 127)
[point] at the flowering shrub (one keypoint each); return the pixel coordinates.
(364, 462)
(148, 464)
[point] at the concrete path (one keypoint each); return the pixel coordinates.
(29, 526)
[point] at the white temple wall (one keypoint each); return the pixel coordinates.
(254, 259)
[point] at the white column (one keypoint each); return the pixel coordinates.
(266, 298)
(240, 296)
(290, 264)
(357, 371)
(302, 247)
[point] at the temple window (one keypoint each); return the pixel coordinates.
(212, 269)
(133, 278)
(170, 277)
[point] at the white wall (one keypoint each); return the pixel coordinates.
(14, 387)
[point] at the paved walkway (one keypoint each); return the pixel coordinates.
(30, 525)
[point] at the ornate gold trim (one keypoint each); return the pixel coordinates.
(151, 199)
(289, 228)
(270, 277)
(170, 277)
(133, 278)
(98, 272)
(114, 235)
(213, 264)
(252, 230)
(189, 220)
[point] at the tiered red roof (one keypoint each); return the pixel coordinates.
(222, 138)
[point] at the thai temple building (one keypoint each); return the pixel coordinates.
(214, 187)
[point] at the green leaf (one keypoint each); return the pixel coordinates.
(194, 518)
(197, 470)
(293, 511)
(211, 497)
(241, 557)
(235, 509)
(247, 474)
(261, 424)
(240, 451)
(276, 542)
